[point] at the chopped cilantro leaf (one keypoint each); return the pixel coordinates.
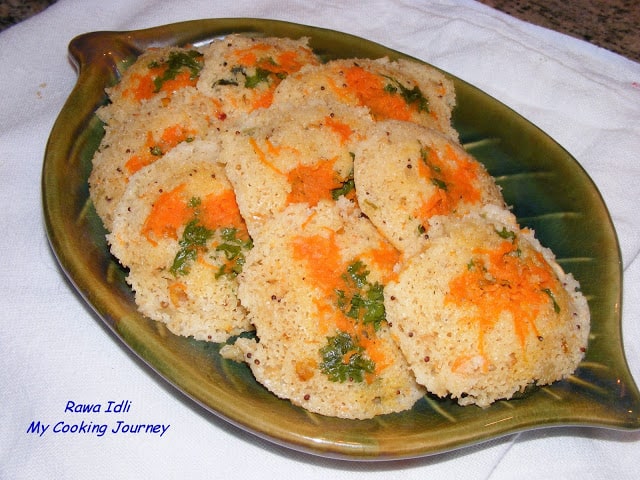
(389, 88)
(506, 234)
(194, 202)
(410, 96)
(156, 151)
(435, 169)
(439, 183)
(556, 307)
(363, 301)
(343, 359)
(182, 260)
(195, 236)
(175, 63)
(424, 156)
(261, 75)
(347, 186)
(233, 249)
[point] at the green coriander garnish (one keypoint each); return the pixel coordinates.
(435, 169)
(410, 96)
(175, 63)
(194, 202)
(362, 301)
(556, 307)
(424, 156)
(156, 151)
(194, 241)
(439, 183)
(506, 234)
(343, 359)
(260, 75)
(233, 249)
(194, 237)
(347, 186)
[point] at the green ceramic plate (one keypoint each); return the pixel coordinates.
(547, 187)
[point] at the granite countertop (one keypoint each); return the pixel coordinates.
(611, 24)
(14, 11)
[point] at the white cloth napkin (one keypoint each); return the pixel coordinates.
(53, 349)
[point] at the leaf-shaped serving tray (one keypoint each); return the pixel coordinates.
(548, 189)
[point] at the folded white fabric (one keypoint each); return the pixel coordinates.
(54, 349)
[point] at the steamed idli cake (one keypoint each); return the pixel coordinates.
(485, 311)
(313, 287)
(292, 154)
(242, 72)
(406, 174)
(399, 90)
(157, 72)
(178, 230)
(139, 136)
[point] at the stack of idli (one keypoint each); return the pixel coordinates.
(323, 222)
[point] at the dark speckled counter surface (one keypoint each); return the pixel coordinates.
(14, 11)
(611, 24)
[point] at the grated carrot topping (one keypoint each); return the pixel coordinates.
(282, 65)
(262, 156)
(499, 280)
(263, 100)
(170, 137)
(290, 62)
(374, 347)
(248, 56)
(455, 176)
(181, 80)
(142, 87)
(312, 183)
(343, 130)
(320, 255)
(436, 204)
(385, 257)
(169, 212)
(220, 210)
(370, 91)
